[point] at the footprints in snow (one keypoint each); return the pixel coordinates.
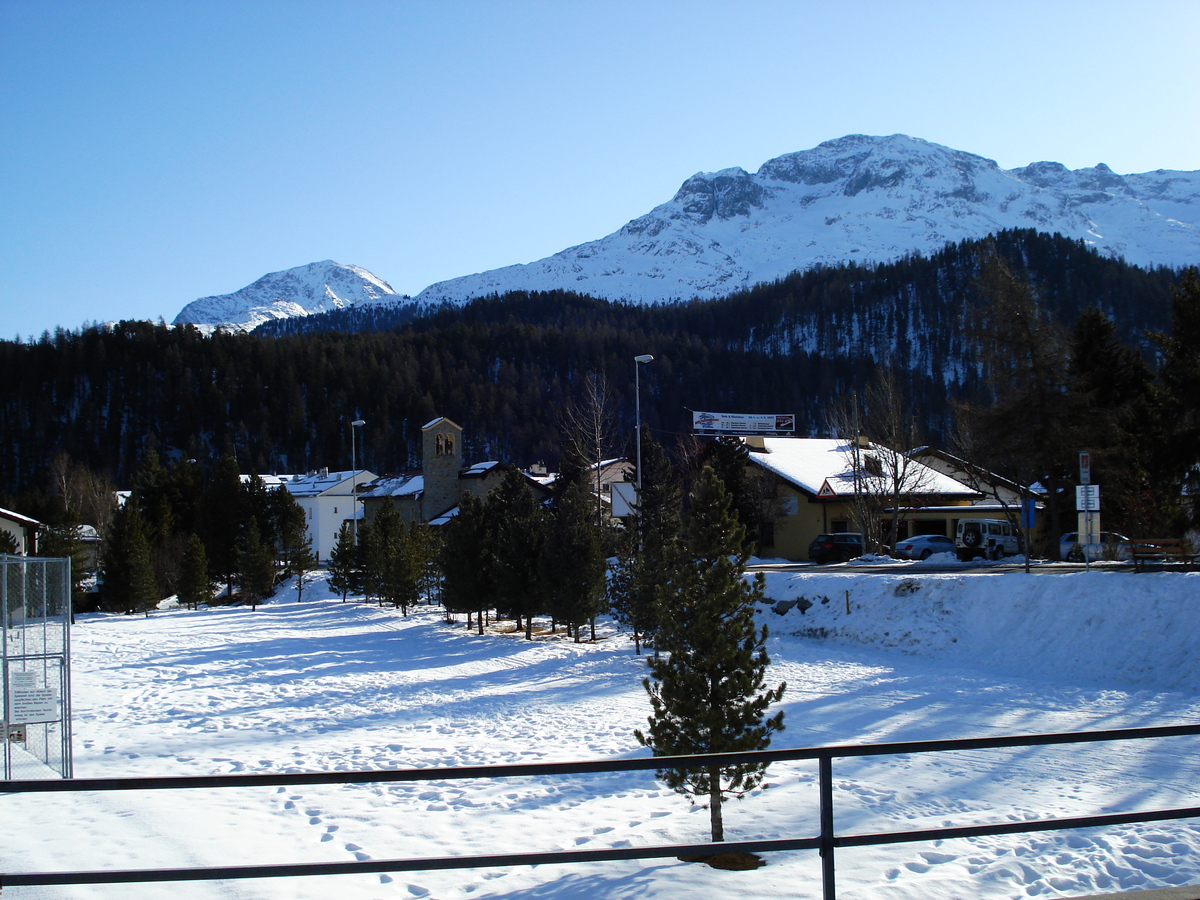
(314, 818)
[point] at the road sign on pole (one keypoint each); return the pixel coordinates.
(1087, 498)
(1085, 467)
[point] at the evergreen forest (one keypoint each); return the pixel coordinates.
(280, 400)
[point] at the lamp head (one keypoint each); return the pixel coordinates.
(358, 422)
(645, 357)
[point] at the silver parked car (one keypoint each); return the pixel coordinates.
(1110, 546)
(923, 546)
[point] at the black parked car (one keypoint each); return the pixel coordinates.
(836, 547)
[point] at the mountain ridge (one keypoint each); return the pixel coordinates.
(860, 198)
(301, 291)
(857, 198)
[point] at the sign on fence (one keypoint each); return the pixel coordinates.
(28, 702)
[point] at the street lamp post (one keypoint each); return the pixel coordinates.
(637, 381)
(357, 423)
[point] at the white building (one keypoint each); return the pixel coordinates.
(22, 529)
(328, 500)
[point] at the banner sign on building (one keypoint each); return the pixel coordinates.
(742, 423)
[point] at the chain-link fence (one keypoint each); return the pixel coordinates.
(35, 634)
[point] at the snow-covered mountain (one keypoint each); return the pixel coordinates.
(315, 288)
(859, 198)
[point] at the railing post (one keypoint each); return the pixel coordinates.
(825, 772)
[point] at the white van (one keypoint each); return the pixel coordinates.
(990, 538)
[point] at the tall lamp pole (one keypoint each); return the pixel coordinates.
(637, 381)
(357, 423)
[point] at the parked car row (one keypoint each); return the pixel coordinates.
(974, 538)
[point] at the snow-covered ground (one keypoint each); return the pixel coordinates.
(325, 685)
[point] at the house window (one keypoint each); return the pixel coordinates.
(872, 466)
(839, 525)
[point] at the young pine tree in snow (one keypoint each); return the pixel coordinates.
(342, 562)
(128, 573)
(468, 568)
(707, 688)
(571, 566)
(195, 582)
(647, 546)
(255, 565)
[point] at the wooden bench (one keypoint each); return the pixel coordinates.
(1160, 550)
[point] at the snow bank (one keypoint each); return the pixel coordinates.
(1106, 626)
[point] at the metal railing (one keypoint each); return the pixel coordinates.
(827, 841)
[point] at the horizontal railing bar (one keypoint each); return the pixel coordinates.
(450, 773)
(1024, 827)
(225, 873)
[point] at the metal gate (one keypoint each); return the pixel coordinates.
(35, 634)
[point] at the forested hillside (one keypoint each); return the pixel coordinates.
(506, 367)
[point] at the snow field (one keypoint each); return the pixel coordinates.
(325, 685)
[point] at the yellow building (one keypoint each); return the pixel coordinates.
(821, 486)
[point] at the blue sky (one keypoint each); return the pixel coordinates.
(156, 152)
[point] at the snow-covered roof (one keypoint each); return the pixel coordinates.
(316, 483)
(270, 481)
(394, 486)
(20, 519)
(821, 467)
(478, 470)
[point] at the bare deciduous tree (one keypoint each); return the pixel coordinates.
(880, 430)
(589, 427)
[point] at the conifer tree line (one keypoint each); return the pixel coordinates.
(1116, 377)
(182, 532)
(281, 402)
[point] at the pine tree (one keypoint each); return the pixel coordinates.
(571, 566)
(255, 565)
(1030, 429)
(295, 545)
(1119, 429)
(707, 689)
(730, 460)
(222, 513)
(517, 533)
(195, 583)
(647, 546)
(342, 562)
(1179, 395)
(391, 566)
(468, 569)
(425, 546)
(128, 573)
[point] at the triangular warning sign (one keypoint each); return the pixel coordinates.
(826, 490)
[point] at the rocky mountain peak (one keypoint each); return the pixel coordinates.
(300, 291)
